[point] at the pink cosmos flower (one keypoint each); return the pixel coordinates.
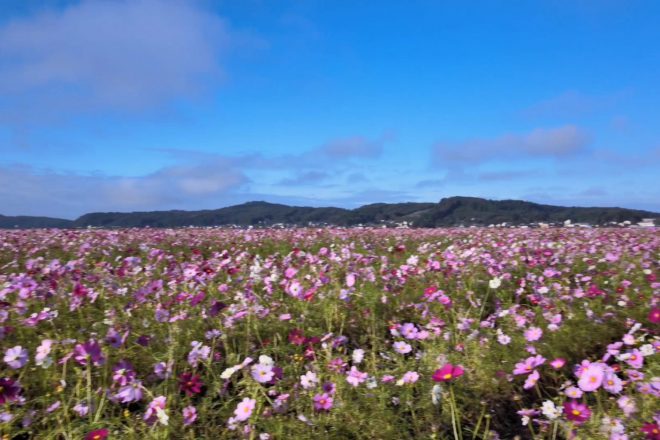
(409, 331)
(591, 377)
(576, 412)
(244, 409)
(528, 365)
(533, 334)
(636, 359)
(531, 380)
(573, 392)
(447, 373)
(402, 347)
(156, 411)
(612, 383)
(356, 377)
(189, 415)
(627, 405)
(323, 402)
(558, 363)
(262, 373)
(410, 377)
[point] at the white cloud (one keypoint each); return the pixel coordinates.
(539, 143)
(107, 55)
(25, 190)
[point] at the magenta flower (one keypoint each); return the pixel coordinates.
(244, 409)
(323, 402)
(576, 412)
(591, 377)
(99, 434)
(654, 315)
(16, 357)
(447, 373)
(88, 352)
(189, 415)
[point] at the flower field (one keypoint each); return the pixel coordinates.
(330, 333)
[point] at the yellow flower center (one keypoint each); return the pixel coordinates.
(447, 376)
(576, 412)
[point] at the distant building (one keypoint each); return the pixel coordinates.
(646, 223)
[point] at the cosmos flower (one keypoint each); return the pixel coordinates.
(651, 431)
(531, 380)
(402, 347)
(591, 377)
(448, 372)
(576, 412)
(190, 384)
(309, 380)
(89, 352)
(323, 402)
(528, 365)
(156, 412)
(130, 393)
(9, 390)
(262, 373)
(99, 434)
(244, 409)
(533, 334)
(189, 415)
(356, 377)
(16, 357)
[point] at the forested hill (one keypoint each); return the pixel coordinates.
(452, 211)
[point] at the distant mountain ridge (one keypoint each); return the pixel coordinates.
(451, 211)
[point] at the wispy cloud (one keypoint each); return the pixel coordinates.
(539, 143)
(107, 55)
(573, 103)
(30, 191)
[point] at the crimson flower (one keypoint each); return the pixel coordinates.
(99, 434)
(190, 384)
(9, 390)
(652, 431)
(576, 412)
(447, 373)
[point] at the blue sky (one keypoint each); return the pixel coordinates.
(155, 104)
